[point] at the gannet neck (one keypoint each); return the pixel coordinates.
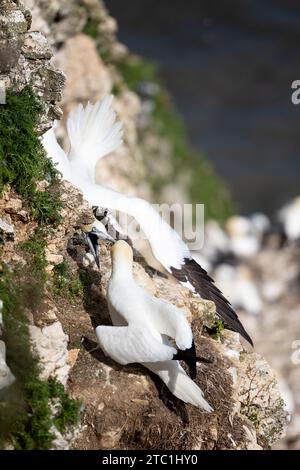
(122, 259)
(121, 269)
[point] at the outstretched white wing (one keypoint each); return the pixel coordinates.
(170, 321)
(93, 133)
(56, 153)
(129, 344)
(167, 246)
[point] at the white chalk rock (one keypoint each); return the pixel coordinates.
(51, 344)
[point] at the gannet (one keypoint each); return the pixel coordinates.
(260, 224)
(215, 247)
(238, 285)
(93, 233)
(93, 133)
(143, 328)
(243, 241)
(289, 216)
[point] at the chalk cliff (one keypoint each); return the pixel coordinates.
(63, 53)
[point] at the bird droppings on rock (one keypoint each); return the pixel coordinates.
(6, 231)
(50, 342)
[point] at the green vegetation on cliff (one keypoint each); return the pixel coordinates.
(26, 418)
(22, 158)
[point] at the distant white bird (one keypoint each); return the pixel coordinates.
(143, 328)
(238, 285)
(215, 246)
(243, 242)
(93, 133)
(260, 224)
(246, 233)
(289, 216)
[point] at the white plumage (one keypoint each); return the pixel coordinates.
(289, 216)
(246, 234)
(128, 344)
(93, 133)
(238, 285)
(243, 241)
(143, 328)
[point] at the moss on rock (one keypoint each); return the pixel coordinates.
(22, 158)
(26, 417)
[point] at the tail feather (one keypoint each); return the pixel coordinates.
(178, 382)
(93, 131)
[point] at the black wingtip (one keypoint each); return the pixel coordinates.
(204, 285)
(248, 338)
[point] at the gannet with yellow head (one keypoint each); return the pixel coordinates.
(144, 327)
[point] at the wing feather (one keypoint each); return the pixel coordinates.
(93, 132)
(129, 344)
(171, 321)
(192, 272)
(56, 153)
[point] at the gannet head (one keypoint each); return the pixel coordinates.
(94, 231)
(121, 252)
(238, 226)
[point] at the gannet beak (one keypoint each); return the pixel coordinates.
(92, 238)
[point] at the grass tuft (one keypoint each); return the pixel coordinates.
(26, 418)
(65, 283)
(216, 329)
(23, 161)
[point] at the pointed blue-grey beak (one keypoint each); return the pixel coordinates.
(92, 238)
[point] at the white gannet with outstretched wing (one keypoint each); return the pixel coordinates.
(93, 133)
(143, 328)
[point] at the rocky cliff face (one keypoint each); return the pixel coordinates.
(25, 59)
(59, 296)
